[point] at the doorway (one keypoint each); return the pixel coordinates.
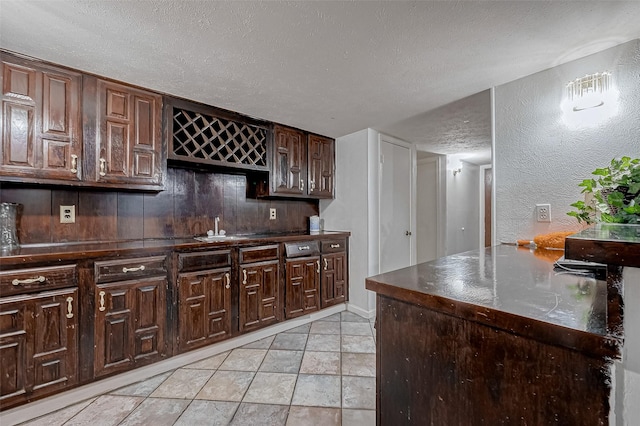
(427, 220)
(486, 184)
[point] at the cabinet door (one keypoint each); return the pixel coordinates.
(334, 279)
(15, 314)
(129, 324)
(41, 130)
(321, 161)
(204, 308)
(269, 299)
(302, 286)
(130, 147)
(259, 299)
(149, 320)
(290, 161)
(113, 338)
(38, 344)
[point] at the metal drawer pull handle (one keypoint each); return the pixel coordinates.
(103, 166)
(102, 308)
(312, 184)
(302, 185)
(303, 248)
(318, 263)
(74, 163)
(69, 307)
(244, 275)
(39, 279)
(335, 245)
(325, 263)
(228, 280)
(139, 268)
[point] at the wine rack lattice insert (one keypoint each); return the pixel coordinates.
(204, 137)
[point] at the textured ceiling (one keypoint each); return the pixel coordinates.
(462, 126)
(329, 67)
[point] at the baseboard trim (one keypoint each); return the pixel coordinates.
(56, 402)
(359, 311)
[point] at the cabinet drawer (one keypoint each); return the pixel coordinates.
(333, 246)
(304, 248)
(17, 281)
(124, 269)
(203, 260)
(259, 254)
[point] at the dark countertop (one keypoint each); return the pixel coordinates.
(71, 251)
(608, 243)
(509, 288)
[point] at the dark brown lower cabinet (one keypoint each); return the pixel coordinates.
(333, 282)
(259, 295)
(302, 286)
(259, 282)
(130, 317)
(204, 307)
(38, 344)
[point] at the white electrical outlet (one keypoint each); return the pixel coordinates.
(68, 214)
(543, 212)
(272, 214)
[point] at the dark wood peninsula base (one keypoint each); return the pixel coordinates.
(492, 337)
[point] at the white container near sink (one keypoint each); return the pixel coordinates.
(314, 224)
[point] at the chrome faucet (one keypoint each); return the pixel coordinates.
(217, 220)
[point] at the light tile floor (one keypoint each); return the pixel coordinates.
(322, 373)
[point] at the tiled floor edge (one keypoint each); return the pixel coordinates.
(53, 403)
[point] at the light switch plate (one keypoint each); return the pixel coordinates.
(68, 214)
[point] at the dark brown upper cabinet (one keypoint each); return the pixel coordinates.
(289, 173)
(321, 166)
(59, 126)
(205, 135)
(123, 134)
(303, 165)
(41, 122)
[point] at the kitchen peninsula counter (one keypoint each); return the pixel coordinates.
(608, 243)
(496, 336)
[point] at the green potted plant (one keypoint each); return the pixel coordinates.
(613, 194)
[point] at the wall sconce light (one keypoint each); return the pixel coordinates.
(456, 166)
(590, 91)
(589, 101)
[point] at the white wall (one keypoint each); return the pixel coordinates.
(356, 209)
(348, 211)
(462, 211)
(539, 159)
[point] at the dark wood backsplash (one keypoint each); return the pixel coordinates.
(187, 207)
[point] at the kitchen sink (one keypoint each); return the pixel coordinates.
(217, 238)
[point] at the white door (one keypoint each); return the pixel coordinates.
(395, 206)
